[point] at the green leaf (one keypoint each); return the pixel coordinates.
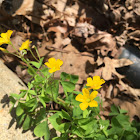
(27, 123)
(77, 131)
(44, 100)
(18, 96)
(19, 110)
(30, 85)
(122, 111)
(77, 112)
(123, 120)
(104, 124)
(85, 113)
(41, 114)
(12, 100)
(114, 110)
(53, 88)
(37, 64)
(74, 78)
(39, 78)
(64, 76)
(42, 129)
(68, 86)
(32, 92)
(115, 123)
(60, 138)
(65, 115)
(20, 119)
(77, 92)
(31, 102)
(31, 71)
(56, 121)
(45, 72)
(114, 130)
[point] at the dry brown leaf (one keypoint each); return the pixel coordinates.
(23, 7)
(58, 40)
(33, 10)
(109, 91)
(84, 30)
(58, 29)
(121, 62)
(129, 90)
(129, 106)
(111, 64)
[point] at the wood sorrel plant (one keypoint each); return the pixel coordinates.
(75, 120)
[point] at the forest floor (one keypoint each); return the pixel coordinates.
(89, 36)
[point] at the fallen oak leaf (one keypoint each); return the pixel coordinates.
(121, 62)
(129, 90)
(111, 64)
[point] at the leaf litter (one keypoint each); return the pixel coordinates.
(86, 35)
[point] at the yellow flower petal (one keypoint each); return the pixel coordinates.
(1, 41)
(80, 98)
(60, 62)
(89, 81)
(93, 95)
(85, 93)
(54, 64)
(83, 105)
(52, 60)
(93, 104)
(52, 70)
(48, 64)
(5, 37)
(96, 78)
(25, 45)
(95, 83)
(4, 50)
(102, 81)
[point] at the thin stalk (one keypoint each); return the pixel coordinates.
(33, 55)
(52, 111)
(24, 60)
(14, 48)
(121, 134)
(105, 133)
(37, 52)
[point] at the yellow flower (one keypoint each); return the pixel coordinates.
(5, 37)
(87, 99)
(54, 64)
(25, 45)
(4, 50)
(95, 83)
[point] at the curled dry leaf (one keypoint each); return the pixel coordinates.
(111, 64)
(33, 10)
(103, 41)
(131, 106)
(84, 30)
(129, 90)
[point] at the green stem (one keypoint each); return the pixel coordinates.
(37, 52)
(63, 103)
(51, 86)
(48, 111)
(60, 100)
(15, 49)
(24, 60)
(33, 55)
(105, 133)
(121, 134)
